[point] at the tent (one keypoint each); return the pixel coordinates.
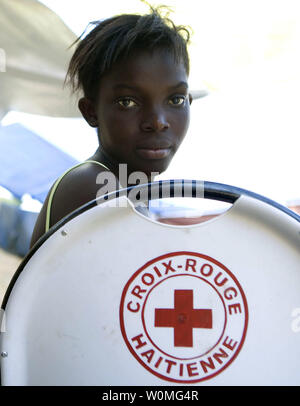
(28, 163)
(33, 63)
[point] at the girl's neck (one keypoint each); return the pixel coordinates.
(101, 156)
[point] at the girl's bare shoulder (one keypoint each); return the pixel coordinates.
(75, 189)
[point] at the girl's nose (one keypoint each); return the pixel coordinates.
(155, 123)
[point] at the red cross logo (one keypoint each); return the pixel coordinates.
(183, 318)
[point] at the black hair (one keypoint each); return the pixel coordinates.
(116, 38)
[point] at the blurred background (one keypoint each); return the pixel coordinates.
(245, 64)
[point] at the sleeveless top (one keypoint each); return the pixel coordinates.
(48, 212)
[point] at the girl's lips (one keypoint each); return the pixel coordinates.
(148, 153)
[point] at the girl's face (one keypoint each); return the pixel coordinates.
(143, 111)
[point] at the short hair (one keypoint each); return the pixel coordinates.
(116, 38)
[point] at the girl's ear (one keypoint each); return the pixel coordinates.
(86, 106)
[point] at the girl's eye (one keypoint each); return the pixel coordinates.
(126, 103)
(177, 100)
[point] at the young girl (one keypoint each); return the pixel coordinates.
(133, 71)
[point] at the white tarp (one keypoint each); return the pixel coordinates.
(34, 55)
